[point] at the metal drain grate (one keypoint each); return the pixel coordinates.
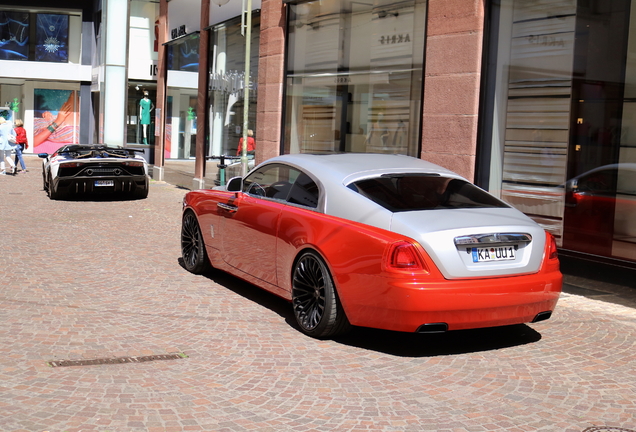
(116, 360)
(607, 429)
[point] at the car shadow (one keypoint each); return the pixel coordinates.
(394, 343)
(456, 342)
(100, 198)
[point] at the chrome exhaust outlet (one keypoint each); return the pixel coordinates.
(542, 316)
(433, 328)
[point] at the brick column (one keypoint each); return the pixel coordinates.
(160, 141)
(452, 83)
(271, 72)
(202, 98)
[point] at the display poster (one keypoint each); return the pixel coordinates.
(14, 35)
(56, 119)
(51, 38)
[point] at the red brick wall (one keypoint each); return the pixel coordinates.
(270, 79)
(451, 83)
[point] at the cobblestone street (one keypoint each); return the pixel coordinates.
(101, 280)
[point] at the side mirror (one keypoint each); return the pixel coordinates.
(43, 155)
(572, 186)
(235, 184)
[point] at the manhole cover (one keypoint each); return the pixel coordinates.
(116, 360)
(607, 429)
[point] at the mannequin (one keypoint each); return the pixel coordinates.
(145, 107)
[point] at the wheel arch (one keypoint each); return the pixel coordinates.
(321, 255)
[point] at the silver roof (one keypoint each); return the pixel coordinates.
(346, 167)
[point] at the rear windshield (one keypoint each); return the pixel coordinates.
(410, 192)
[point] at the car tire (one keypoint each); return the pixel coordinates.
(140, 193)
(315, 301)
(195, 258)
(53, 194)
(45, 184)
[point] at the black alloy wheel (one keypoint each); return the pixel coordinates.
(314, 299)
(195, 259)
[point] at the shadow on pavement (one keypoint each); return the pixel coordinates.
(390, 342)
(599, 281)
(430, 345)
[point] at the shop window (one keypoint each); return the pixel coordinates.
(354, 78)
(227, 86)
(140, 121)
(42, 37)
(14, 34)
(51, 38)
(558, 119)
(183, 54)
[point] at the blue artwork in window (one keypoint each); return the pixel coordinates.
(184, 55)
(189, 55)
(51, 38)
(14, 36)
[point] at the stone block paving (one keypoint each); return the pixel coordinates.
(101, 279)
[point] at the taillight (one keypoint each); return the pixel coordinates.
(69, 165)
(403, 256)
(134, 164)
(552, 247)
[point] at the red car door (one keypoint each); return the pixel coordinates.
(249, 236)
(252, 219)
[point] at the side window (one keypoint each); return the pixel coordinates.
(304, 192)
(270, 181)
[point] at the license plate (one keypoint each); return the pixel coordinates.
(500, 253)
(104, 182)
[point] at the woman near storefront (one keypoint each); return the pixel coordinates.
(7, 142)
(21, 144)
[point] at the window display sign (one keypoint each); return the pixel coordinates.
(56, 120)
(51, 38)
(14, 35)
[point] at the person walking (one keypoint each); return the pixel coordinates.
(21, 144)
(251, 143)
(7, 143)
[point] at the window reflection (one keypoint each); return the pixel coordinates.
(563, 115)
(354, 77)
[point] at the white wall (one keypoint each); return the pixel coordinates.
(142, 56)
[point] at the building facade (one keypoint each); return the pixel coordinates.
(531, 99)
(75, 71)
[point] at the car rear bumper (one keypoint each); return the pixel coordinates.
(410, 305)
(89, 185)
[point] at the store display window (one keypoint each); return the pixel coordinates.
(227, 85)
(354, 77)
(41, 37)
(558, 119)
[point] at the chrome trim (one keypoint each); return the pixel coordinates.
(227, 207)
(493, 239)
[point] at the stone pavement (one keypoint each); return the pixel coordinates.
(100, 281)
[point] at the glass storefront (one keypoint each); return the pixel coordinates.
(181, 118)
(140, 115)
(354, 78)
(227, 82)
(558, 119)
